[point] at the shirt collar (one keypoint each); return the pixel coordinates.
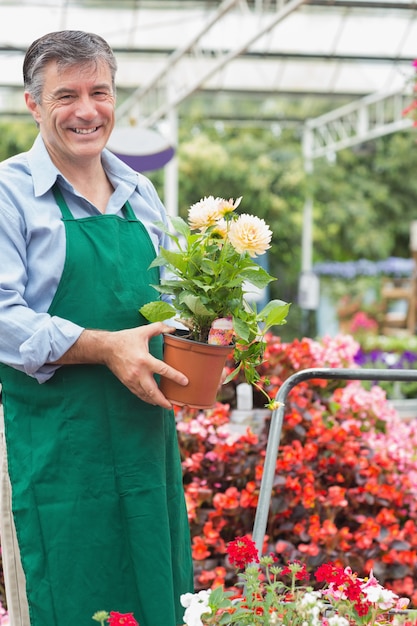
(45, 173)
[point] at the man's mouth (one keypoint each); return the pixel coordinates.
(84, 131)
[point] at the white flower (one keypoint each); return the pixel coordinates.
(205, 213)
(196, 604)
(250, 234)
(337, 620)
(311, 598)
(384, 598)
(376, 594)
(311, 606)
(228, 206)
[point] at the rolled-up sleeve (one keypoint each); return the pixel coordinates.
(50, 341)
(31, 342)
(30, 268)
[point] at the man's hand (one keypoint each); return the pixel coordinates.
(126, 354)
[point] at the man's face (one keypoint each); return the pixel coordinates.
(76, 113)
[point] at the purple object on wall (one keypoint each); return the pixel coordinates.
(142, 149)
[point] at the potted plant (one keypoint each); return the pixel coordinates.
(210, 272)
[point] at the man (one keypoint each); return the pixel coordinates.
(97, 499)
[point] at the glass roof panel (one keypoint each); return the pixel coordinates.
(347, 47)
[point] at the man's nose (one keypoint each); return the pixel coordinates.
(86, 107)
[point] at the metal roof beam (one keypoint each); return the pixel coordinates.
(186, 89)
(350, 125)
(355, 123)
(358, 4)
(175, 57)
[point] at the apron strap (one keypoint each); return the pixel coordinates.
(128, 212)
(67, 215)
(59, 198)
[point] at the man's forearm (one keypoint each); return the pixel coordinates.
(92, 346)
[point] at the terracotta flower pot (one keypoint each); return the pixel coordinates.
(202, 364)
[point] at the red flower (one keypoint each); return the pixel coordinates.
(122, 619)
(329, 573)
(362, 608)
(242, 551)
(299, 570)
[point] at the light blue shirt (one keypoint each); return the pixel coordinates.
(32, 251)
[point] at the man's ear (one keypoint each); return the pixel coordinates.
(33, 107)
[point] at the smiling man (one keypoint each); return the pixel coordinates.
(97, 517)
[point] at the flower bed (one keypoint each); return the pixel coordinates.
(346, 481)
(380, 352)
(274, 594)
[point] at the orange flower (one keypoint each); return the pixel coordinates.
(228, 500)
(249, 496)
(199, 549)
(213, 578)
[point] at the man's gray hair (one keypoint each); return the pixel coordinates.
(67, 48)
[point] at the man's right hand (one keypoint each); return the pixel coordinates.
(126, 354)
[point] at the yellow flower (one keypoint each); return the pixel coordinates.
(250, 234)
(204, 213)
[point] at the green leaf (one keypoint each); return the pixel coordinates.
(195, 305)
(242, 329)
(257, 277)
(157, 311)
(233, 374)
(157, 262)
(274, 313)
(219, 597)
(167, 289)
(162, 226)
(180, 226)
(174, 259)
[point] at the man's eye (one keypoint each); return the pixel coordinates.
(66, 97)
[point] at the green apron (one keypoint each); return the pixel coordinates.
(96, 478)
